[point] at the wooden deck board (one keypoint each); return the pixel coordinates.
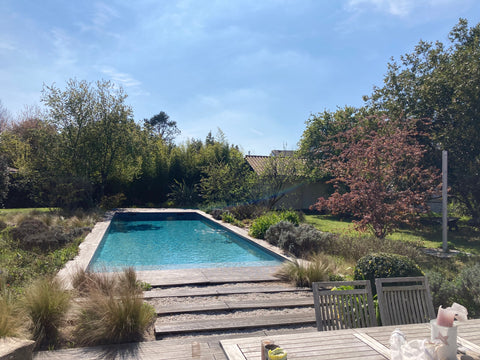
(159, 293)
(232, 324)
(233, 305)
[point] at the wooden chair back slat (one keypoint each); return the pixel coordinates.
(337, 309)
(405, 300)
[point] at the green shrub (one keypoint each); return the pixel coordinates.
(298, 240)
(288, 241)
(112, 201)
(229, 218)
(247, 211)
(33, 232)
(262, 224)
(3, 225)
(310, 240)
(217, 213)
(290, 216)
(272, 235)
(46, 303)
(114, 316)
(442, 290)
(28, 227)
(384, 265)
(467, 289)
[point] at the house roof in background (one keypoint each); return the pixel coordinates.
(257, 162)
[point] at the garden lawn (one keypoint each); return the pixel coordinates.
(465, 239)
(23, 211)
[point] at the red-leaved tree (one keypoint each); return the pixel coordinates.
(378, 175)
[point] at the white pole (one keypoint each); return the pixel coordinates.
(444, 200)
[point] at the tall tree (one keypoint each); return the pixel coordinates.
(377, 175)
(442, 83)
(319, 127)
(162, 126)
(4, 117)
(97, 132)
(225, 181)
(281, 171)
(4, 180)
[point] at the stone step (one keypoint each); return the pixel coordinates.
(234, 305)
(232, 324)
(209, 276)
(214, 291)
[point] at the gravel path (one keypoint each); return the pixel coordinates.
(217, 315)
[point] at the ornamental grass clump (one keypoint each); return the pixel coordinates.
(115, 317)
(12, 321)
(46, 303)
(85, 281)
(304, 273)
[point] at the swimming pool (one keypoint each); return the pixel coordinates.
(161, 241)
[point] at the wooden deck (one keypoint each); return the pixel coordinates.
(153, 350)
(367, 343)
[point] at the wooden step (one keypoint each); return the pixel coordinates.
(208, 291)
(233, 324)
(234, 305)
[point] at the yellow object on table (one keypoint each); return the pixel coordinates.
(277, 354)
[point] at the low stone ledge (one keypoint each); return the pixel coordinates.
(16, 349)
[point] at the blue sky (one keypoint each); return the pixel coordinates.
(256, 69)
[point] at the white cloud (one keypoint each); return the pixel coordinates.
(100, 20)
(394, 7)
(256, 132)
(103, 15)
(62, 43)
(6, 46)
(400, 8)
(119, 77)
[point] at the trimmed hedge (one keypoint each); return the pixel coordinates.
(384, 265)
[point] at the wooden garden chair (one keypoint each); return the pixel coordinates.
(343, 304)
(404, 300)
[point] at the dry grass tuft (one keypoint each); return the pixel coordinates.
(46, 303)
(303, 273)
(113, 314)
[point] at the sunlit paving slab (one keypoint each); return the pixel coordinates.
(208, 276)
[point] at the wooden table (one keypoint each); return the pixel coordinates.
(367, 343)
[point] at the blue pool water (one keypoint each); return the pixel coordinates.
(159, 241)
